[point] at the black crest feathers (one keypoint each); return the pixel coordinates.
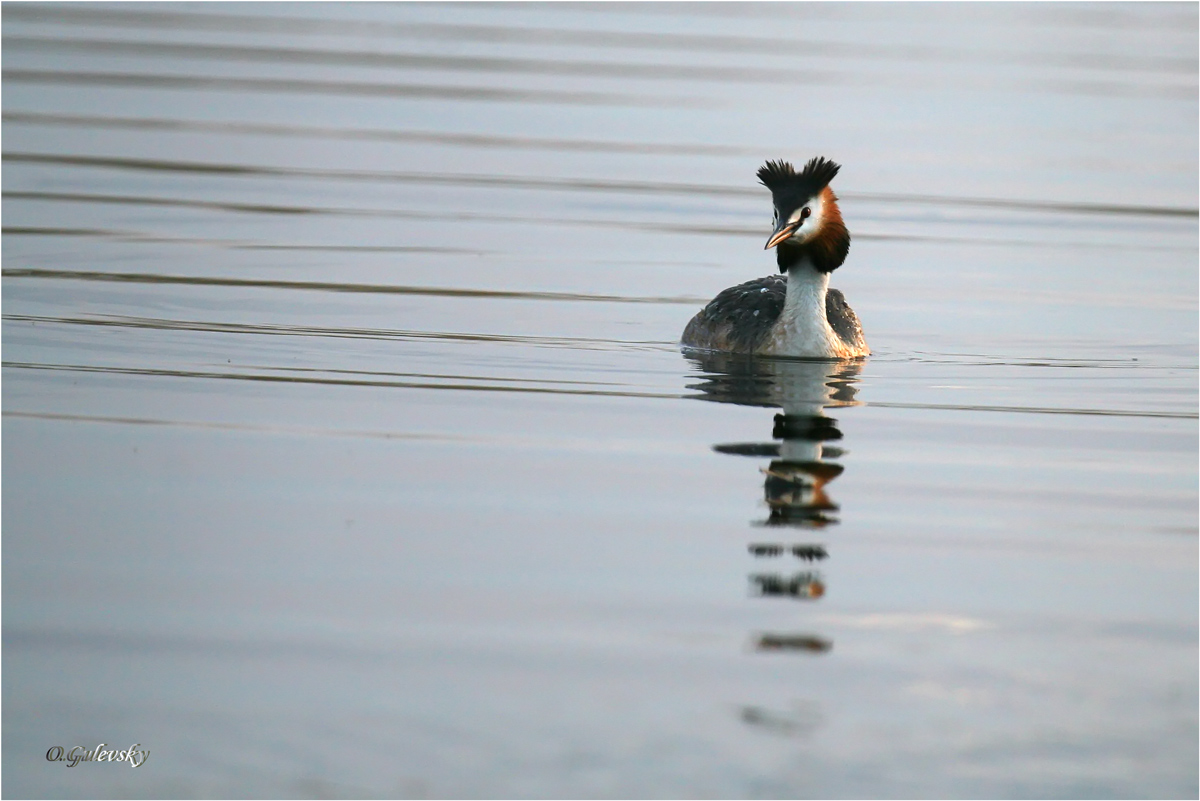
(826, 249)
(781, 177)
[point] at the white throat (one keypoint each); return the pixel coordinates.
(803, 329)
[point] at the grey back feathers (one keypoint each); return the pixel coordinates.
(843, 320)
(739, 319)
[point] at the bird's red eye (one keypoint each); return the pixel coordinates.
(805, 212)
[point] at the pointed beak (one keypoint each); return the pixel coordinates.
(784, 231)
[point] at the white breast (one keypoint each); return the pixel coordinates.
(803, 330)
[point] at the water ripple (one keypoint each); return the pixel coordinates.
(153, 323)
(481, 384)
(365, 379)
(590, 37)
(566, 184)
(346, 88)
(324, 286)
(445, 138)
(421, 61)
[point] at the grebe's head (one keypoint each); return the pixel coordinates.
(807, 219)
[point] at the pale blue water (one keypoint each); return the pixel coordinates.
(348, 449)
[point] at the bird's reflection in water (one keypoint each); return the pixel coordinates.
(800, 469)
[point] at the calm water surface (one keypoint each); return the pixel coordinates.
(348, 449)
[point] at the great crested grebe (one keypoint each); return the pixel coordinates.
(794, 314)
